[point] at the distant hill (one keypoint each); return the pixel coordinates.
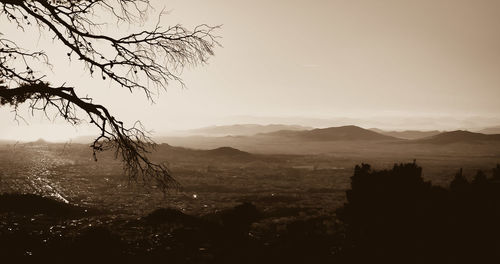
(346, 133)
(460, 136)
(407, 134)
(227, 152)
(242, 129)
(490, 130)
(221, 153)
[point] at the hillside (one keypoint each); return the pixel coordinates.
(343, 133)
(407, 134)
(227, 152)
(220, 154)
(460, 136)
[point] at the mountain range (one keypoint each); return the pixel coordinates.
(343, 140)
(407, 134)
(333, 139)
(354, 133)
(239, 130)
(253, 134)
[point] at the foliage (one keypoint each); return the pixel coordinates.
(394, 216)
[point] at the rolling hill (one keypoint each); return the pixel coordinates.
(227, 152)
(220, 153)
(460, 136)
(343, 133)
(407, 134)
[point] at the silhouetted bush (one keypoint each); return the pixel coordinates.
(394, 216)
(237, 221)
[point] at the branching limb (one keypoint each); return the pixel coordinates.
(130, 144)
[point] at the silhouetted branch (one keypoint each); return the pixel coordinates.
(144, 60)
(130, 144)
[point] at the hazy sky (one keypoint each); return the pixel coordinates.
(300, 61)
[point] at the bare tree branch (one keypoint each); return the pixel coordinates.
(144, 61)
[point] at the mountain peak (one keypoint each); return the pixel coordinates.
(460, 136)
(346, 133)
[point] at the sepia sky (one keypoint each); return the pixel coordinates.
(285, 61)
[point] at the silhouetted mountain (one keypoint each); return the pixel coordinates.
(407, 134)
(223, 153)
(346, 133)
(490, 130)
(242, 129)
(460, 136)
(227, 152)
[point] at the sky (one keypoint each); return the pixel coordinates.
(427, 64)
